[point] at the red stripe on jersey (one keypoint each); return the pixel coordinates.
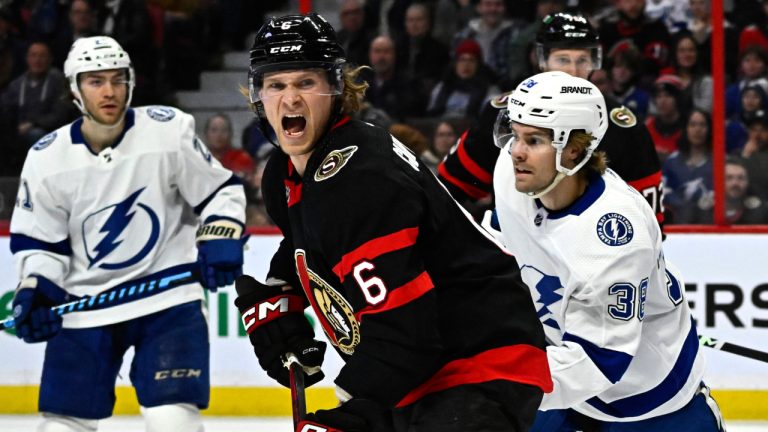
(343, 120)
(653, 180)
(376, 247)
(519, 363)
(472, 166)
(412, 290)
(303, 272)
(471, 191)
(294, 192)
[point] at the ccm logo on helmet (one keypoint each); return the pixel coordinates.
(284, 49)
(574, 89)
(514, 101)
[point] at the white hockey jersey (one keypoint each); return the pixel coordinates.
(623, 344)
(89, 221)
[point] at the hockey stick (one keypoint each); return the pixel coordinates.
(733, 348)
(296, 378)
(125, 292)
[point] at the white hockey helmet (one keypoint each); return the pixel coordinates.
(96, 53)
(559, 102)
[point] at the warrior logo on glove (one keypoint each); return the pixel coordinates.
(338, 319)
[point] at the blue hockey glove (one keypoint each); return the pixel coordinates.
(355, 415)
(220, 253)
(34, 319)
(276, 325)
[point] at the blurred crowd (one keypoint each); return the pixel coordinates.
(432, 66)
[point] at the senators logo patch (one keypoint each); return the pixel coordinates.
(335, 313)
(500, 101)
(334, 162)
(623, 117)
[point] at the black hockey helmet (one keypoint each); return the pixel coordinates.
(295, 42)
(563, 30)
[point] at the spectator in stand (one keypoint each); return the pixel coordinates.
(602, 80)
(466, 86)
(36, 103)
(218, 138)
(753, 62)
(666, 125)
(353, 36)
(80, 23)
(753, 99)
(11, 50)
(41, 19)
(519, 47)
(443, 139)
(420, 57)
(700, 26)
(626, 69)
(493, 32)
(386, 17)
(673, 13)
(128, 22)
(755, 153)
(629, 21)
(742, 207)
(688, 194)
(388, 89)
(453, 15)
(697, 84)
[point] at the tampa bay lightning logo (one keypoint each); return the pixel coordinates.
(614, 229)
(550, 291)
(161, 113)
(120, 235)
(44, 141)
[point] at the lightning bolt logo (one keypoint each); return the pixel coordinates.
(121, 215)
(547, 287)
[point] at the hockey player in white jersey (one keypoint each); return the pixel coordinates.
(623, 348)
(120, 196)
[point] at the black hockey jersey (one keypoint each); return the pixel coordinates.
(468, 170)
(411, 292)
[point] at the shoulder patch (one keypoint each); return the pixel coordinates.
(334, 162)
(44, 141)
(623, 117)
(161, 113)
(500, 101)
(614, 229)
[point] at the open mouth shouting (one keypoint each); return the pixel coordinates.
(294, 125)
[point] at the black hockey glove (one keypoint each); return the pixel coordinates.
(355, 415)
(275, 322)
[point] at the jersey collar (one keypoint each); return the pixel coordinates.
(595, 188)
(76, 132)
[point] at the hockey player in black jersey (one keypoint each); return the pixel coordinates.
(566, 43)
(430, 315)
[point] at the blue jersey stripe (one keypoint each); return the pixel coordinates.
(232, 181)
(21, 242)
(611, 363)
(643, 403)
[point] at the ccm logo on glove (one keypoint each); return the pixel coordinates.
(270, 309)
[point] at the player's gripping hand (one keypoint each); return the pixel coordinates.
(274, 319)
(220, 252)
(34, 319)
(355, 415)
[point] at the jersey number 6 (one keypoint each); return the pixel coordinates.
(373, 288)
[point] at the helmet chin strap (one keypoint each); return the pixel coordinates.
(558, 178)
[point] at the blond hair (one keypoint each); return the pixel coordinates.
(598, 161)
(354, 90)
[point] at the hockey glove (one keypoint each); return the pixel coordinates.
(220, 253)
(355, 415)
(34, 319)
(275, 322)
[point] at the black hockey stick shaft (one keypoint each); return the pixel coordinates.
(298, 400)
(734, 349)
(124, 293)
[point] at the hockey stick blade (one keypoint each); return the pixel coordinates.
(733, 348)
(124, 293)
(296, 378)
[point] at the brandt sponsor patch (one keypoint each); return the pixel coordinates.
(623, 117)
(334, 162)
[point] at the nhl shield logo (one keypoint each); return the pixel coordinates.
(614, 229)
(44, 141)
(161, 113)
(334, 162)
(334, 312)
